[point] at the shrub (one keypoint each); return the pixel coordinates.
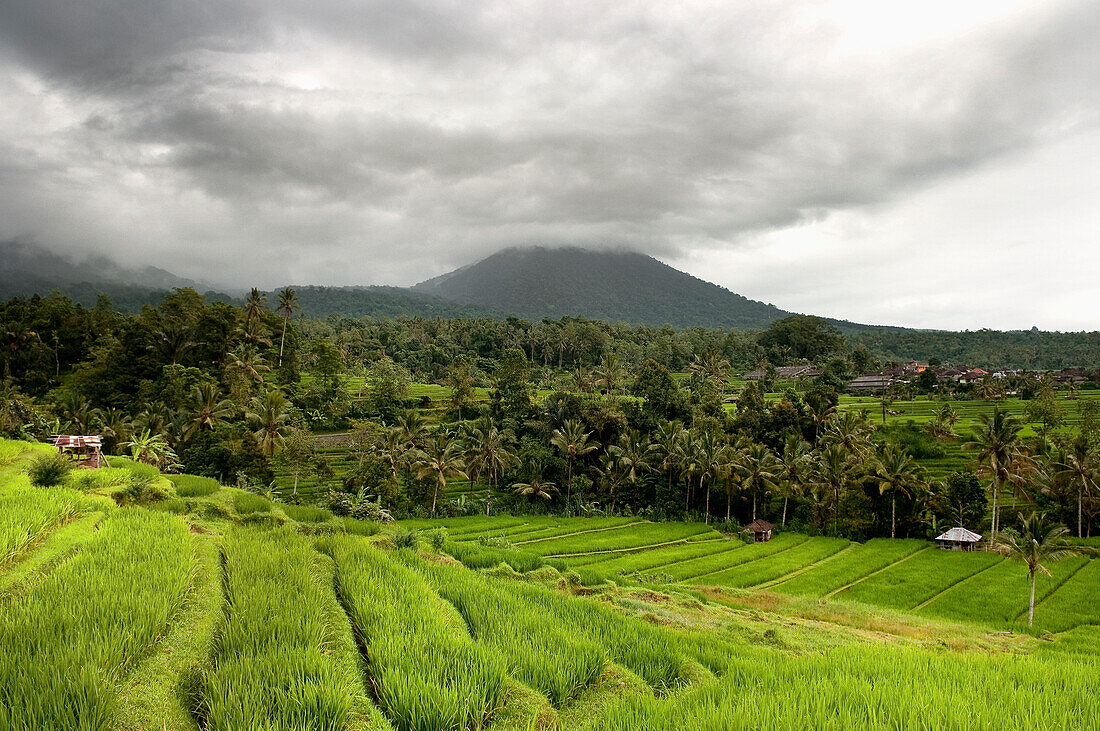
(144, 490)
(50, 470)
(367, 510)
(436, 538)
(406, 539)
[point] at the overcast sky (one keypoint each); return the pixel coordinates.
(931, 164)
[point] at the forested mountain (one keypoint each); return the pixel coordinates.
(600, 285)
(383, 302)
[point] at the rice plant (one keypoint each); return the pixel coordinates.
(64, 646)
(426, 671)
(557, 661)
(271, 670)
(28, 514)
(194, 486)
(851, 566)
(619, 539)
(909, 583)
(781, 564)
(699, 570)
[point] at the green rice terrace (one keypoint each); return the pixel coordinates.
(135, 600)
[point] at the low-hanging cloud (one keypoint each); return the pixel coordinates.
(342, 142)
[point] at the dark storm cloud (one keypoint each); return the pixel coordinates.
(425, 134)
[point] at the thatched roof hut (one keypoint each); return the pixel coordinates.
(958, 539)
(761, 530)
(88, 450)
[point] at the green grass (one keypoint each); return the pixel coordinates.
(762, 571)
(851, 566)
(65, 646)
(619, 539)
(306, 513)
(1074, 602)
(194, 486)
(271, 670)
(700, 570)
(246, 503)
(909, 583)
(426, 672)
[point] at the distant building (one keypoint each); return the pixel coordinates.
(958, 539)
(787, 372)
(871, 382)
(761, 530)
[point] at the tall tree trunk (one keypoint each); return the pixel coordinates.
(993, 522)
(754, 506)
(729, 499)
(435, 496)
(295, 484)
(687, 496)
(487, 484)
(282, 339)
(893, 515)
(1031, 602)
(784, 511)
(1079, 497)
(568, 481)
(707, 521)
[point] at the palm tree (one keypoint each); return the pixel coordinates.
(1081, 468)
(254, 305)
(1040, 542)
(116, 426)
(666, 445)
(758, 470)
(851, 432)
(712, 460)
(795, 461)
(610, 374)
(574, 442)
(208, 410)
(391, 444)
(537, 487)
(490, 449)
(833, 476)
(609, 473)
(268, 417)
(441, 461)
(413, 429)
(687, 459)
(996, 441)
(894, 472)
(632, 455)
(288, 303)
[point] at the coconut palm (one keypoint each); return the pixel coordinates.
(413, 430)
(758, 469)
(851, 432)
(573, 441)
(895, 472)
(1081, 469)
(288, 304)
(208, 410)
(537, 487)
(610, 374)
(1040, 542)
(997, 443)
(632, 454)
(441, 461)
(665, 447)
(687, 459)
(255, 303)
(609, 475)
(116, 426)
(490, 448)
(795, 462)
(268, 418)
(711, 448)
(832, 477)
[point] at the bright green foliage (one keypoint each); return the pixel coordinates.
(909, 583)
(763, 571)
(245, 503)
(194, 486)
(626, 537)
(999, 595)
(476, 556)
(306, 513)
(699, 570)
(851, 566)
(271, 669)
(49, 470)
(554, 659)
(857, 688)
(426, 671)
(26, 514)
(654, 559)
(64, 646)
(1075, 602)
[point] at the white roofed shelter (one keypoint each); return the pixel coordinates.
(958, 539)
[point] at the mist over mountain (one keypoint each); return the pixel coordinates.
(601, 285)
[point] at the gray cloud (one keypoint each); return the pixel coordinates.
(388, 141)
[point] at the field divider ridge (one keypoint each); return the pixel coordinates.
(580, 533)
(955, 583)
(1050, 593)
(876, 572)
(746, 563)
(612, 551)
(804, 569)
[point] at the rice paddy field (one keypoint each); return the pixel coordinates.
(217, 609)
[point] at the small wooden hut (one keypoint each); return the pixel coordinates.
(958, 539)
(88, 450)
(761, 530)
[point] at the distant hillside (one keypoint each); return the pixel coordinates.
(613, 286)
(380, 302)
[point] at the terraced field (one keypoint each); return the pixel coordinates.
(216, 611)
(904, 574)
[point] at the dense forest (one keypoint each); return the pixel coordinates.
(570, 416)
